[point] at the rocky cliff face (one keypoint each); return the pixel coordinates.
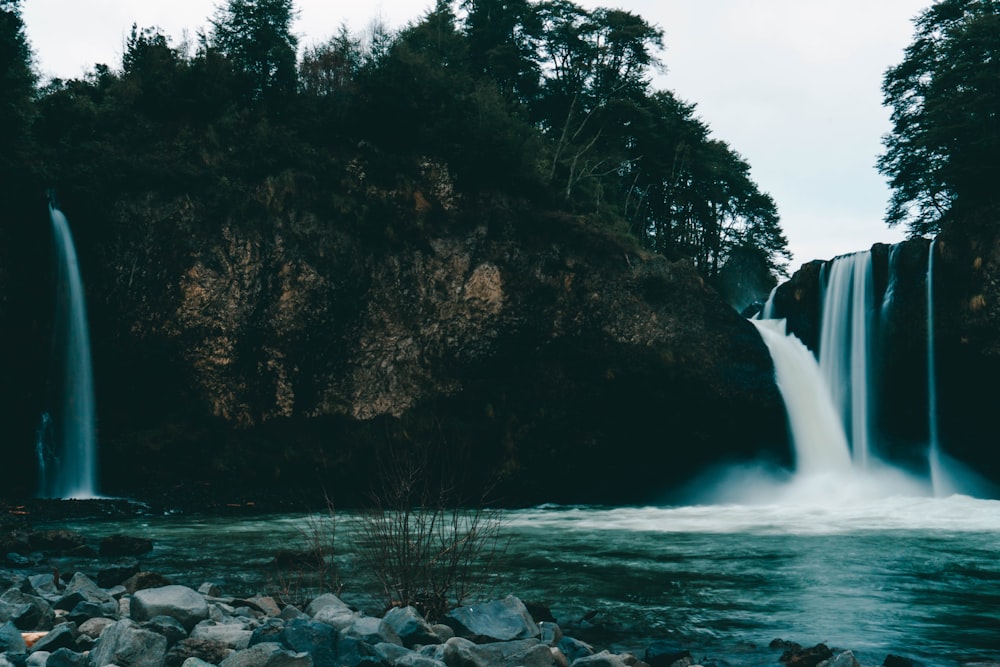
(273, 347)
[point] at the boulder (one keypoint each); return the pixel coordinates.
(410, 626)
(203, 650)
(65, 657)
(845, 659)
(28, 612)
(56, 541)
(313, 637)
(267, 654)
(11, 640)
(496, 621)
(127, 645)
(664, 654)
(44, 586)
(575, 649)
(87, 588)
(168, 626)
(459, 652)
(112, 575)
(179, 602)
(806, 657)
(602, 659)
(337, 615)
(372, 630)
(356, 653)
(61, 636)
(94, 627)
(38, 659)
(324, 601)
(233, 635)
(124, 545)
(142, 580)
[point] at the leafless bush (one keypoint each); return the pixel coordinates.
(427, 547)
(302, 573)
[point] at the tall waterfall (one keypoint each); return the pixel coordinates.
(66, 446)
(845, 345)
(938, 482)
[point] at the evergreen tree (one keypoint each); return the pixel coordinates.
(943, 154)
(17, 89)
(256, 37)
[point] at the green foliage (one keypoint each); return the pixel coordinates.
(943, 154)
(256, 37)
(547, 101)
(17, 87)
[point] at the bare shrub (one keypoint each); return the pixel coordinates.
(425, 545)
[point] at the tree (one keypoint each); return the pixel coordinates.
(256, 37)
(943, 154)
(501, 36)
(17, 87)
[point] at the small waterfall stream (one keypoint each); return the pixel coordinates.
(67, 442)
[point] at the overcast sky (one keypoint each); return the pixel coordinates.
(791, 85)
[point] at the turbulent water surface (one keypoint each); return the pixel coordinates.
(906, 575)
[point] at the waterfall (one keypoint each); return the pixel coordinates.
(816, 430)
(845, 346)
(66, 446)
(934, 451)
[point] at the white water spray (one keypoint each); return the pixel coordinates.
(67, 447)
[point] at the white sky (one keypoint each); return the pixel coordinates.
(792, 85)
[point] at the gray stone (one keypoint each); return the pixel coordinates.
(291, 612)
(127, 645)
(410, 626)
(179, 602)
(602, 659)
(417, 660)
(233, 635)
(44, 586)
(28, 612)
(444, 632)
(85, 586)
(372, 630)
(336, 616)
(61, 636)
(323, 601)
(267, 654)
(390, 653)
(37, 659)
(65, 657)
(845, 659)
(207, 650)
(10, 639)
(459, 652)
(196, 662)
(93, 627)
(317, 639)
(168, 626)
(575, 649)
(353, 652)
(551, 633)
(113, 575)
(496, 621)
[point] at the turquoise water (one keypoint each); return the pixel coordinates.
(912, 576)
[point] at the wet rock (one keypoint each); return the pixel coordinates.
(312, 637)
(124, 545)
(233, 635)
(202, 650)
(574, 649)
(127, 645)
(43, 586)
(38, 659)
(56, 541)
(61, 636)
(180, 602)
(65, 657)
(353, 652)
(602, 659)
(28, 612)
(93, 627)
(664, 654)
(372, 631)
(168, 626)
(267, 655)
(332, 610)
(496, 621)
(10, 639)
(143, 580)
(87, 588)
(112, 575)
(806, 657)
(845, 659)
(410, 626)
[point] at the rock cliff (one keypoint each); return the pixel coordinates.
(264, 345)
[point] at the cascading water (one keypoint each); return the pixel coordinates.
(67, 447)
(845, 346)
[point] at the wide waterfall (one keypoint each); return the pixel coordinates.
(67, 442)
(831, 404)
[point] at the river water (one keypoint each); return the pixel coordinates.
(906, 575)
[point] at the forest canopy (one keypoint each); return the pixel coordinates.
(546, 101)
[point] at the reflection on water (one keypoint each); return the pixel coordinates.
(913, 576)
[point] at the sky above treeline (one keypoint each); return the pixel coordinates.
(794, 86)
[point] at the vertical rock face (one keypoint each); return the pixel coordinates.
(538, 351)
(967, 331)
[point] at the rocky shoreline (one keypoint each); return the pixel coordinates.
(122, 615)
